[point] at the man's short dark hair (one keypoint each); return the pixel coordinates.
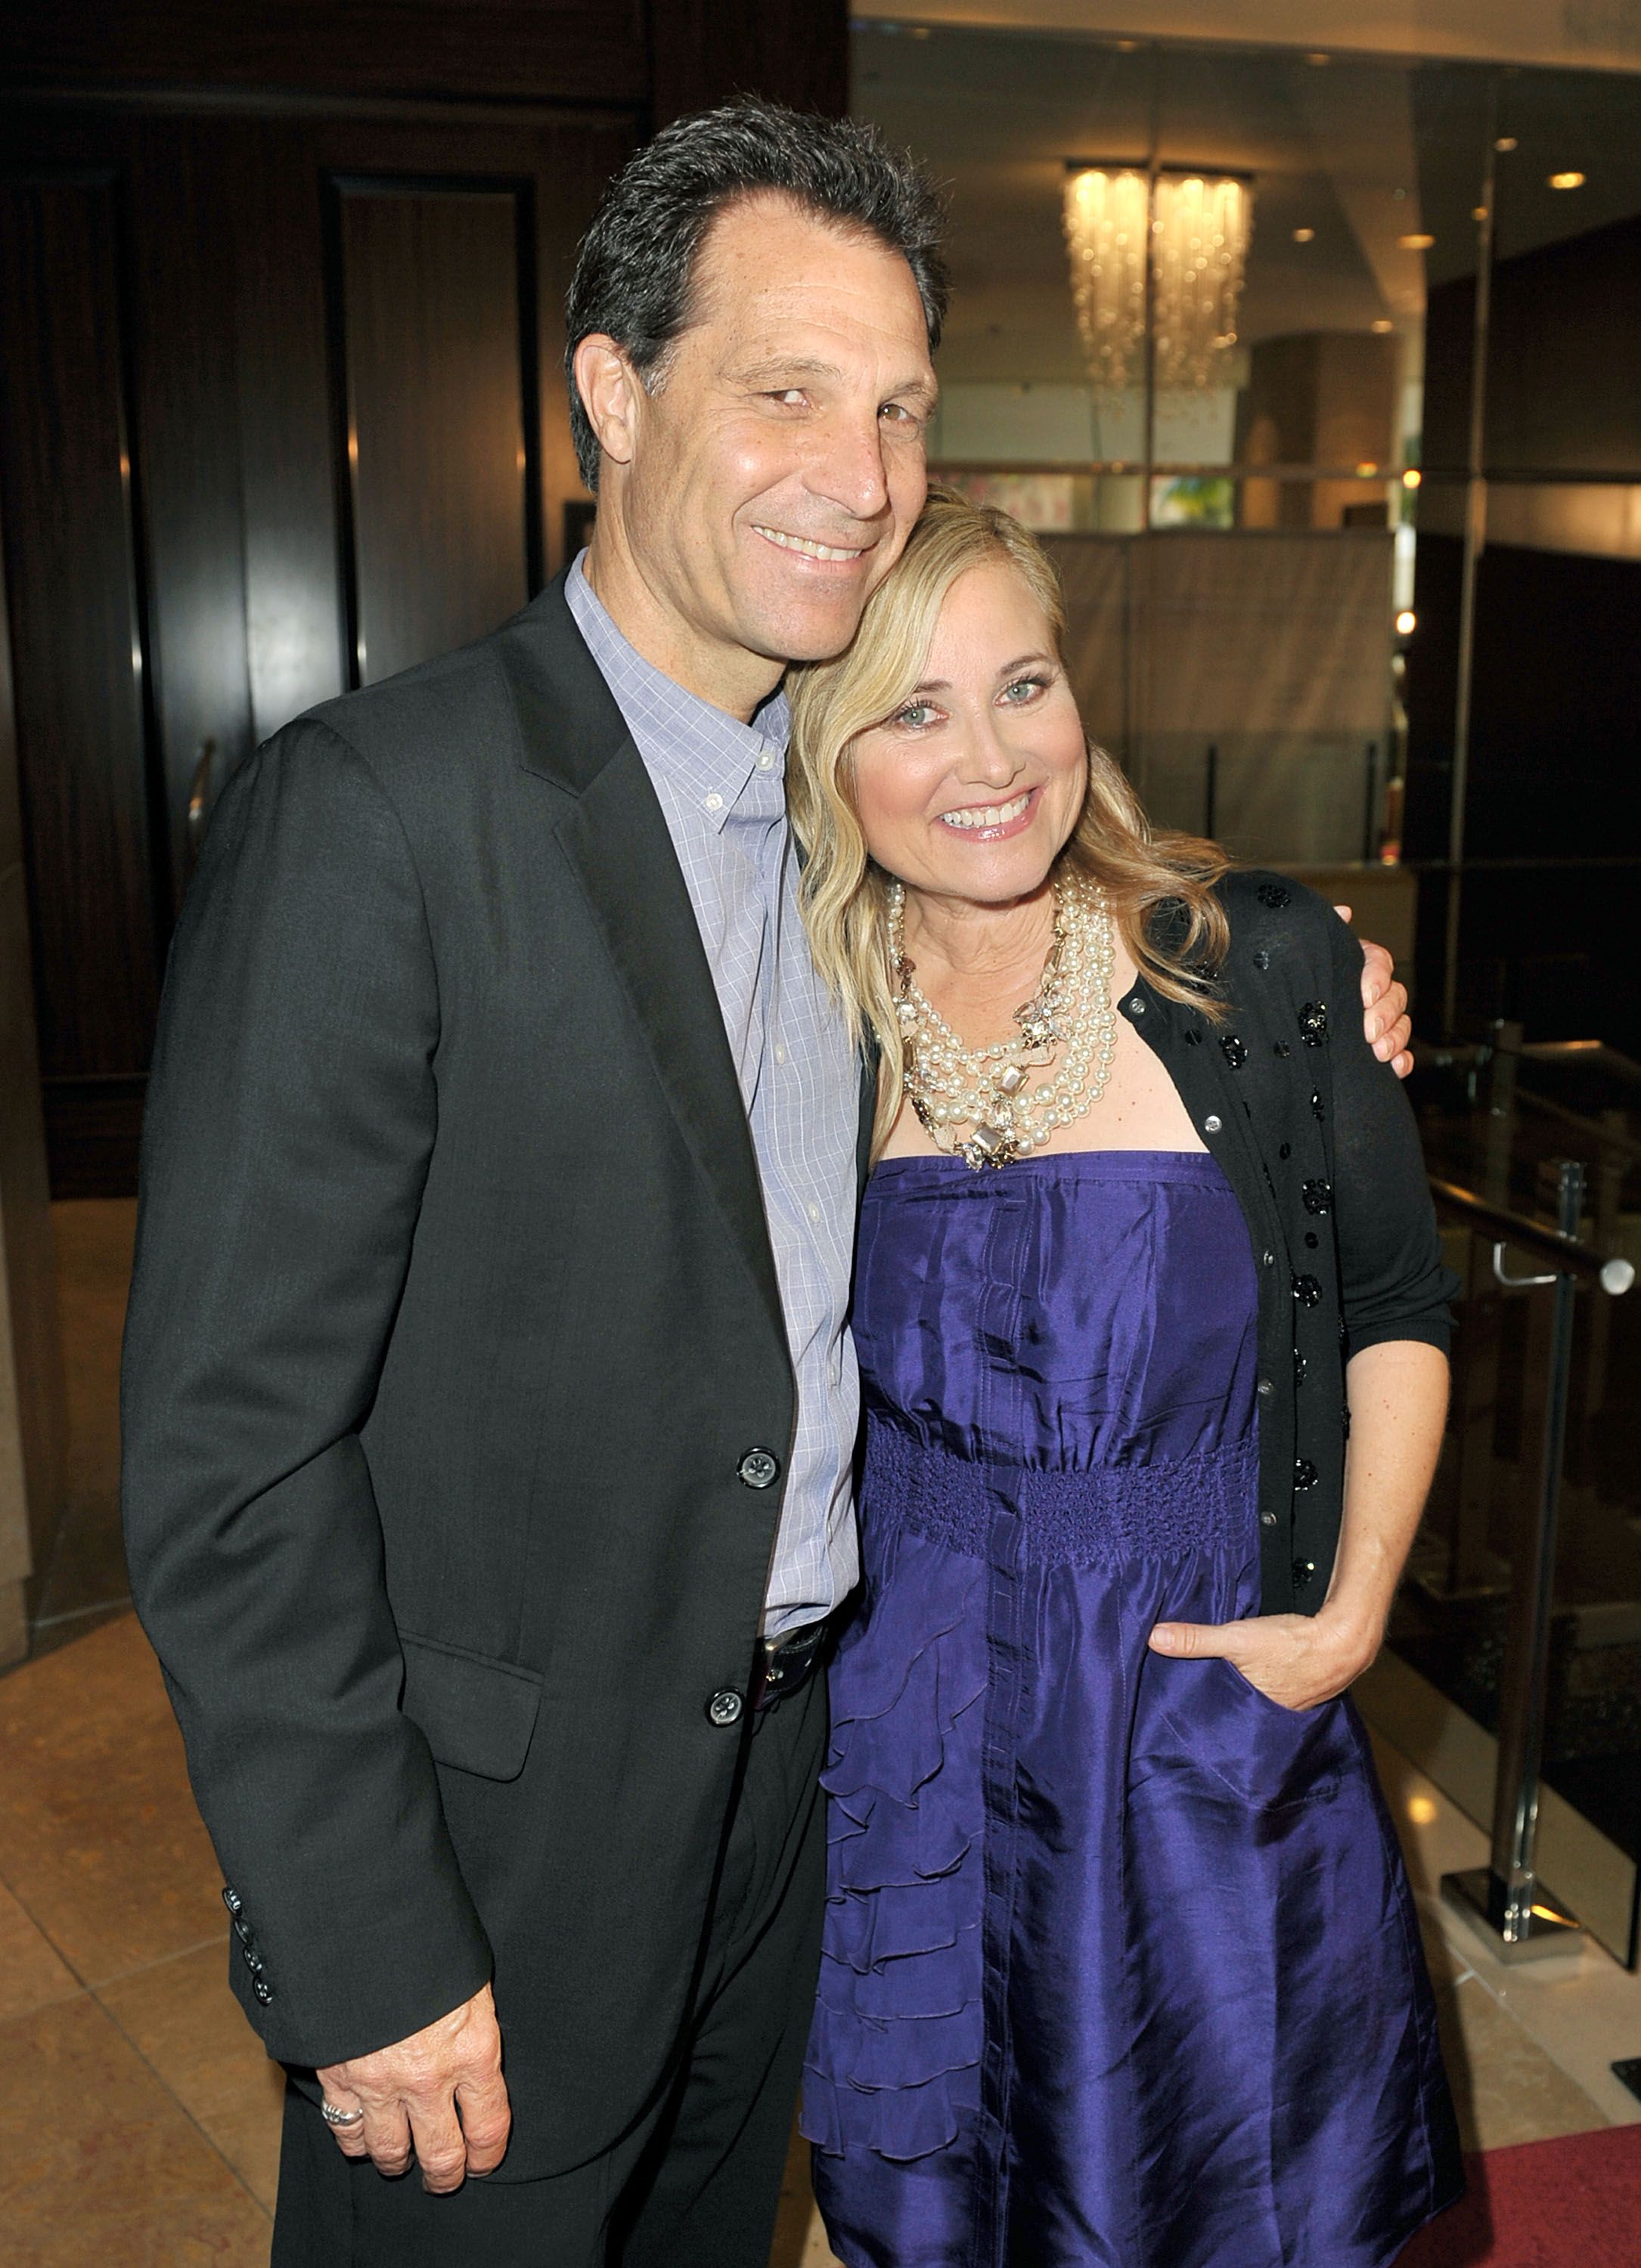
(635, 273)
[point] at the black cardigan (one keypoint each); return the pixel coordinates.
(1317, 1140)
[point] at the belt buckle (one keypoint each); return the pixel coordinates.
(784, 1663)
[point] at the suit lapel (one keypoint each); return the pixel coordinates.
(615, 835)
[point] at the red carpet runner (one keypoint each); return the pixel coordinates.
(1571, 2204)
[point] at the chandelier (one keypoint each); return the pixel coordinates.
(1197, 228)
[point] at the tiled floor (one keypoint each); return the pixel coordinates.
(138, 2118)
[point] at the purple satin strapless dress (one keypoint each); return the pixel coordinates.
(1120, 1965)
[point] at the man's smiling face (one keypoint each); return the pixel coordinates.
(767, 485)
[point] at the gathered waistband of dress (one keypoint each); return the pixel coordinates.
(1097, 1516)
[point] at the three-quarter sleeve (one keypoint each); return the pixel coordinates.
(1394, 1284)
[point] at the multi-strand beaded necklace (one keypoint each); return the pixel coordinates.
(951, 1086)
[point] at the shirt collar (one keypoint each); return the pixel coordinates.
(726, 769)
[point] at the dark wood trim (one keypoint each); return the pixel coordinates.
(93, 1129)
(487, 49)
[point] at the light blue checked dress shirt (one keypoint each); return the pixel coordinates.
(721, 787)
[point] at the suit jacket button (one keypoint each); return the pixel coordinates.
(262, 1988)
(759, 1469)
(725, 1707)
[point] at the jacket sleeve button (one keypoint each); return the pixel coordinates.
(232, 1899)
(759, 1469)
(262, 1988)
(725, 1707)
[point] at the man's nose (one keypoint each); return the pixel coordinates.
(849, 471)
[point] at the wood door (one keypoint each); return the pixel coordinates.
(281, 412)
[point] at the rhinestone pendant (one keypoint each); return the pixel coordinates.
(1012, 1081)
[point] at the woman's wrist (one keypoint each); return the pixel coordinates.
(1351, 1635)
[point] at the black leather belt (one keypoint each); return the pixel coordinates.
(783, 1665)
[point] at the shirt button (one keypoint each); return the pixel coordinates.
(714, 803)
(759, 1469)
(814, 1212)
(725, 1708)
(780, 1053)
(1212, 1122)
(766, 762)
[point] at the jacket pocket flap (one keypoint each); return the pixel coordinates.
(478, 1713)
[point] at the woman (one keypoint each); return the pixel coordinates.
(1122, 1966)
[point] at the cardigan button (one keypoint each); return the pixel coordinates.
(1212, 1124)
(1268, 1520)
(1267, 1388)
(1137, 1006)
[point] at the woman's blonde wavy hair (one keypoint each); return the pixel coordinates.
(845, 893)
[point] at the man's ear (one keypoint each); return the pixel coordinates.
(609, 392)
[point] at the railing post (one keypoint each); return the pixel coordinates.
(1505, 1897)
(1472, 1565)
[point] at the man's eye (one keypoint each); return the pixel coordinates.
(789, 396)
(898, 413)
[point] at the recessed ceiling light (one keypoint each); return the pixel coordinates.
(1478, 212)
(1382, 323)
(1319, 58)
(1365, 472)
(1407, 622)
(1126, 47)
(1411, 478)
(1304, 235)
(1505, 142)
(1566, 180)
(1418, 242)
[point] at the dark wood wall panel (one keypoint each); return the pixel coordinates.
(437, 417)
(294, 601)
(566, 50)
(792, 51)
(184, 250)
(71, 558)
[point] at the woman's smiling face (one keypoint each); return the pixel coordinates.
(970, 789)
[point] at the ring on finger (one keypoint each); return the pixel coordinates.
(334, 2115)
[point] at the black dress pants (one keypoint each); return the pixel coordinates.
(696, 2184)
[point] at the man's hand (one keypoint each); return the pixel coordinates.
(440, 2095)
(1297, 1661)
(1385, 1001)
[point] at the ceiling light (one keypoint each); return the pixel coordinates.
(1416, 242)
(1566, 180)
(1406, 623)
(1478, 212)
(1411, 478)
(1305, 236)
(1196, 228)
(1319, 58)
(1505, 142)
(1381, 324)
(1365, 472)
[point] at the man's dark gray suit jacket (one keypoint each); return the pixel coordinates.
(455, 1317)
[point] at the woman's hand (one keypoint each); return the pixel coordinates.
(1383, 1005)
(1295, 1661)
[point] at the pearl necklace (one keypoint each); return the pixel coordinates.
(950, 1086)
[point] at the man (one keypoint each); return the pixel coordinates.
(489, 1402)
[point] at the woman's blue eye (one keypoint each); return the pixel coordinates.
(1022, 685)
(914, 713)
